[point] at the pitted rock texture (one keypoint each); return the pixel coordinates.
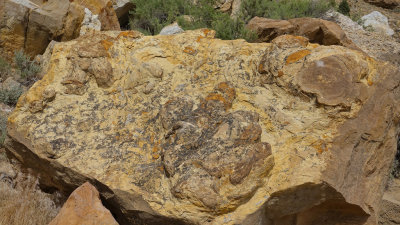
(188, 129)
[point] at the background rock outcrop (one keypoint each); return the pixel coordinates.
(389, 4)
(188, 129)
(316, 30)
(31, 26)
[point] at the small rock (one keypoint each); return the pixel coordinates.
(10, 83)
(171, 29)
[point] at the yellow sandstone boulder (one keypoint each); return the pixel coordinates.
(189, 129)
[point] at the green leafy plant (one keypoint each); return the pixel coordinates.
(285, 9)
(4, 68)
(150, 16)
(10, 95)
(344, 8)
(28, 69)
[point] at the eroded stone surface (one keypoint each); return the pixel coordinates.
(196, 130)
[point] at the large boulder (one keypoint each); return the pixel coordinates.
(388, 4)
(316, 30)
(29, 26)
(188, 129)
(84, 207)
(378, 22)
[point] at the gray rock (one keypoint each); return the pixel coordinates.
(171, 29)
(378, 22)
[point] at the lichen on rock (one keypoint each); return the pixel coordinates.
(188, 129)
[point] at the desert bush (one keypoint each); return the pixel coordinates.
(150, 16)
(344, 8)
(10, 95)
(28, 69)
(285, 9)
(25, 204)
(4, 68)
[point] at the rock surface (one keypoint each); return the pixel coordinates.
(378, 22)
(28, 26)
(389, 4)
(194, 130)
(84, 207)
(316, 30)
(90, 23)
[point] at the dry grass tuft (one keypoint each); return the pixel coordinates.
(23, 203)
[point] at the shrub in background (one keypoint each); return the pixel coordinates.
(285, 9)
(344, 8)
(4, 68)
(10, 95)
(28, 69)
(150, 16)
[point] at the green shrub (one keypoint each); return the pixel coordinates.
(344, 8)
(10, 95)
(285, 9)
(150, 16)
(4, 68)
(28, 69)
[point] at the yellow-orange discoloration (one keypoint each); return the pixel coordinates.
(297, 56)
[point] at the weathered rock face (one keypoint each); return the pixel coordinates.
(316, 30)
(28, 26)
(389, 4)
(84, 207)
(188, 129)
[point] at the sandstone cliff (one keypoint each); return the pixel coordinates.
(188, 129)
